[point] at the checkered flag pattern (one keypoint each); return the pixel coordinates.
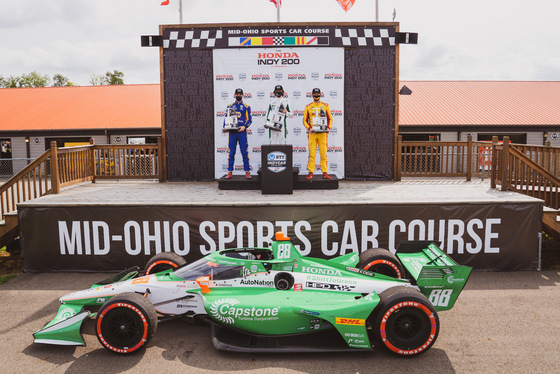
(364, 37)
(278, 40)
(192, 39)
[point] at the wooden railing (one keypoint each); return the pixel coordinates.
(61, 167)
(30, 183)
(444, 159)
(530, 170)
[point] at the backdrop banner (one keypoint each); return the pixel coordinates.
(99, 238)
(298, 70)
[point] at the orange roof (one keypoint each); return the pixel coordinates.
(480, 103)
(84, 107)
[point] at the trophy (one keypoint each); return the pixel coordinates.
(319, 121)
(231, 121)
(275, 119)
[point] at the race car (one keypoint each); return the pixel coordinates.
(273, 300)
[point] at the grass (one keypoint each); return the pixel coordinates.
(10, 266)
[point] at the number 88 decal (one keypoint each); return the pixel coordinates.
(440, 297)
(284, 250)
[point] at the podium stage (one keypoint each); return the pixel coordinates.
(109, 226)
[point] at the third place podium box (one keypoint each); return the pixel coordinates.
(276, 169)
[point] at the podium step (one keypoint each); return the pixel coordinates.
(239, 182)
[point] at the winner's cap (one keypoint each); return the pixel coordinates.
(278, 88)
(239, 91)
(316, 91)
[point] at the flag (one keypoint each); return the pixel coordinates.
(165, 2)
(345, 4)
(276, 3)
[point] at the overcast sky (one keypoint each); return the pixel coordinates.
(458, 40)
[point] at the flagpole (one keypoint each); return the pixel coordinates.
(376, 10)
(181, 12)
(278, 5)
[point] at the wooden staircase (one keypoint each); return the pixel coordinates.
(551, 222)
(9, 230)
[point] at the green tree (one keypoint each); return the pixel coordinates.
(32, 79)
(60, 80)
(114, 78)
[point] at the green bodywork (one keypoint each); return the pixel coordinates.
(328, 295)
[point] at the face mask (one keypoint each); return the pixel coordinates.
(238, 98)
(278, 94)
(316, 97)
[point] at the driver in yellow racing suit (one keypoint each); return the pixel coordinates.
(315, 111)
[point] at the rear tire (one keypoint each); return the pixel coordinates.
(164, 261)
(406, 322)
(126, 323)
(381, 261)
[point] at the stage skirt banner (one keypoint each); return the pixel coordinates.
(98, 238)
(298, 70)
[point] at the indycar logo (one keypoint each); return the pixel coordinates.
(328, 286)
(350, 321)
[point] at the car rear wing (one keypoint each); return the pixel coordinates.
(437, 275)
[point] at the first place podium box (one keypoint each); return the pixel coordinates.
(276, 169)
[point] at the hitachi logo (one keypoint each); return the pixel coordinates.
(321, 271)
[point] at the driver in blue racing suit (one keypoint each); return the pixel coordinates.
(240, 136)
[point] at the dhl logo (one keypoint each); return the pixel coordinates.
(350, 321)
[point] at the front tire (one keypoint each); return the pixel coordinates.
(407, 324)
(164, 261)
(381, 261)
(126, 323)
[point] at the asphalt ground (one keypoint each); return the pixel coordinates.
(502, 323)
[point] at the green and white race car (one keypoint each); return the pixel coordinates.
(273, 299)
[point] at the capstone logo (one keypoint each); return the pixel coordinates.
(225, 311)
(260, 95)
(224, 77)
(315, 76)
(224, 95)
(334, 131)
(333, 76)
(333, 166)
(296, 77)
(242, 76)
(260, 77)
(451, 279)
(261, 131)
(333, 94)
(297, 131)
(296, 95)
(278, 76)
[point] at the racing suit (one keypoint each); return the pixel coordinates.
(312, 110)
(244, 119)
(278, 137)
